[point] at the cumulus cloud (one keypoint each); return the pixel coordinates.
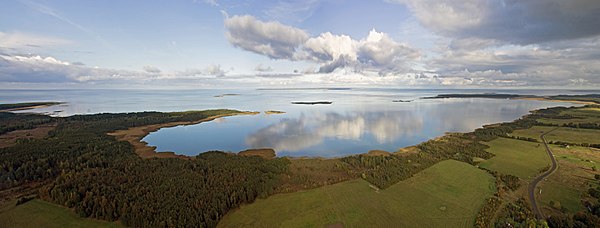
(378, 51)
(215, 70)
(262, 68)
(329, 47)
(272, 39)
(517, 22)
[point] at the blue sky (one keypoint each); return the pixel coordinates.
(400, 43)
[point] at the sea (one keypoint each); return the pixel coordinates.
(357, 120)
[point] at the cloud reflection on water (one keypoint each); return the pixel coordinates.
(312, 129)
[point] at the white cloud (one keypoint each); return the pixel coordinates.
(329, 47)
(378, 49)
(215, 70)
(272, 39)
(262, 68)
(377, 52)
(38, 69)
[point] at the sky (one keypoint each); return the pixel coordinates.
(311, 43)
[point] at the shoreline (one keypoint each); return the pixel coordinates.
(31, 107)
(555, 100)
(135, 135)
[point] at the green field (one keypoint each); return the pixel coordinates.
(566, 185)
(563, 134)
(38, 213)
(582, 115)
(516, 157)
(562, 196)
(448, 194)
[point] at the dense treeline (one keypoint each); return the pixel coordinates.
(583, 125)
(10, 121)
(167, 192)
(102, 178)
(384, 171)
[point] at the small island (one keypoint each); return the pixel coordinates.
(311, 102)
(273, 112)
(226, 95)
(401, 101)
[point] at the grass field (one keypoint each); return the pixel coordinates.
(448, 194)
(38, 213)
(563, 134)
(516, 157)
(565, 186)
(582, 115)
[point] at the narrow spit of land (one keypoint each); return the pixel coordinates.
(311, 102)
(26, 106)
(532, 186)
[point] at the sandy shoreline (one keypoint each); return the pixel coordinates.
(135, 135)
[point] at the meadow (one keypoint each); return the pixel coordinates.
(449, 194)
(516, 157)
(564, 189)
(39, 213)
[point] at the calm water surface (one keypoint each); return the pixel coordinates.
(359, 120)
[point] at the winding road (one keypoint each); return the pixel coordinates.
(534, 182)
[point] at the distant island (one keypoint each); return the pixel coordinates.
(311, 102)
(317, 88)
(26, 105)
(587, 99)
(401, 101)
(271, 112)
(227, 94)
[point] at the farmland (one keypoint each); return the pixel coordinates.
(516, 157)
(38, 213)
(449, 193)
(565, 189)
